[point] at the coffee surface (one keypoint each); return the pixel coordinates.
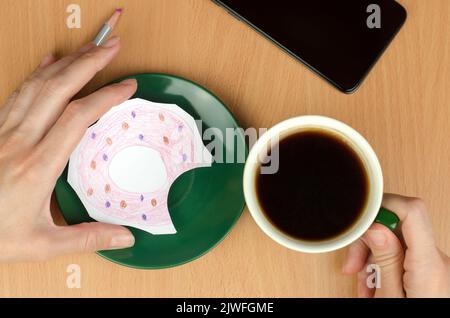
(320, 189)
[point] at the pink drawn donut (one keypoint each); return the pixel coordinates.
(163, 128)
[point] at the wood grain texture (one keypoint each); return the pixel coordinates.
(403, 109)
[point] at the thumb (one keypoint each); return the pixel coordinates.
(387, 252)
(90, 237)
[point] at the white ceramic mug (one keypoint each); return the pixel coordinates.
(369, 159)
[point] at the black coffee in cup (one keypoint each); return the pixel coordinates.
(320, 190)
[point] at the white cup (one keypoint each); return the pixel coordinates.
(346, 133)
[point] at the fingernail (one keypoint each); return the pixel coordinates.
(344, 268)
(377, 238)
(122, 241)
(111, 42)
(128, 82)
(87, 47)
(46, 60)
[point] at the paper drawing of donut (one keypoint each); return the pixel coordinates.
(124, 165)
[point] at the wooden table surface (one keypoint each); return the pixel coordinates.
(403, 109)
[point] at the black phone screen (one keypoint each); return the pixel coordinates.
(339, 39)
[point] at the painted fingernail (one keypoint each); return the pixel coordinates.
(111, 42)
(87, 47)
(122, 241)
(128, 82)
(377, 238)
(46, 60)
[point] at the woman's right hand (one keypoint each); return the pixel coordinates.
(411, 264)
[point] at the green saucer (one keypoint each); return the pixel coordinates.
(204, 203)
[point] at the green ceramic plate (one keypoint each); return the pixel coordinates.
(204, 203)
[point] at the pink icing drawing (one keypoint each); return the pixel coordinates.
(124, 166)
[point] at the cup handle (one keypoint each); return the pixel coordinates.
(387, 218)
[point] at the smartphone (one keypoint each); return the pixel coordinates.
(340, 40)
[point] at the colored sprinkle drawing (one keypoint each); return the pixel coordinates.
(124, 166)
